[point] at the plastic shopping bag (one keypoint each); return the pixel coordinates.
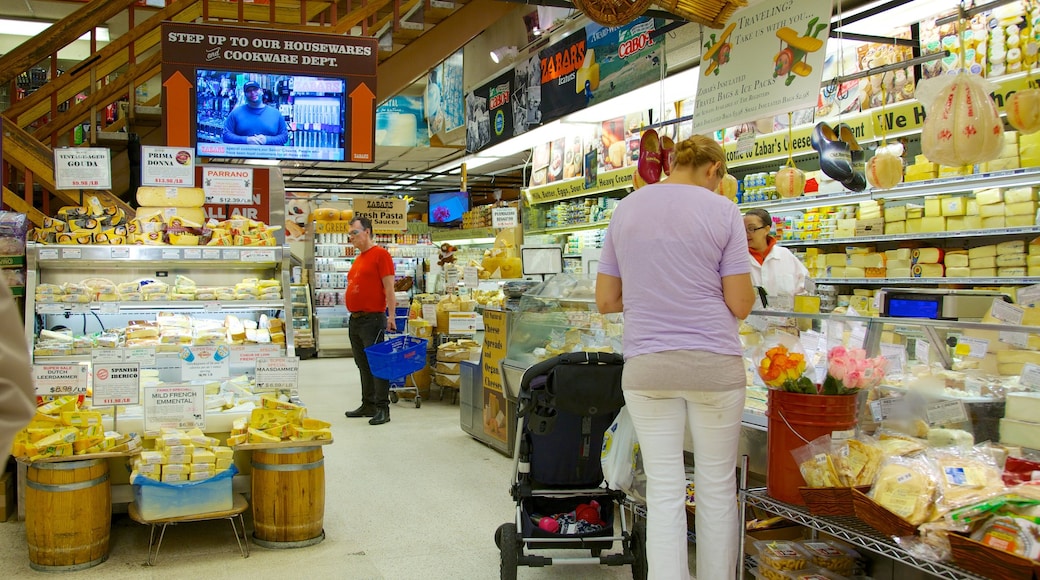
(620, 457)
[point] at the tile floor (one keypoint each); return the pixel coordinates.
(415, 498)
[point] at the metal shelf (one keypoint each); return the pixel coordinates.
(928, 281)
(163, 305)
(996, 232)
(226, 258)
(854, 531)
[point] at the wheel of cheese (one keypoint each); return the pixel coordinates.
(790, 182)
(963, 126)
(1014, 55)
(325, 214)
(346, 215)
(1023, 110)
(885, 171)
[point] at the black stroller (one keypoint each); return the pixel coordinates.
(564, 406)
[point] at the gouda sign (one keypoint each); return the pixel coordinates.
(387, 215)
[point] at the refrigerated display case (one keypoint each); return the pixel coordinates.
(302, 320)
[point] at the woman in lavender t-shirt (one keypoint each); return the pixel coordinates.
(675, 262)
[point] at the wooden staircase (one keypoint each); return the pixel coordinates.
(85, 94)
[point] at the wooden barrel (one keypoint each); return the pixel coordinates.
(288, 497)
(68, 514)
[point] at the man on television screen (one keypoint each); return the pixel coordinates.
(253, 122)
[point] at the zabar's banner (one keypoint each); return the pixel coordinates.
(559, 66)
(387, 215)
(489, 113)
(768, 60)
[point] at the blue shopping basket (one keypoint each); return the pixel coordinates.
(397, 357)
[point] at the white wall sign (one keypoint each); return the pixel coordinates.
(167, 166)
(205, 363)
(82, 168)
(503, 217)
(116, 384)
(68, 379)
(230, 185)
(277, 374)
(175, 406)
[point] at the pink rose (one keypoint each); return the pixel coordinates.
(838, 369)
(838, 351)
(854, 379)
(857, 353)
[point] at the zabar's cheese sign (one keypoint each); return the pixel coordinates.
(559, 64)
(564, 63)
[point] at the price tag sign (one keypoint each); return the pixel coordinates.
(979, 346)
(144, 355)
(109, 307)
(117, 384)
(70, 379)
(50, 308)
(192, 254)
(1030, 376)
(51, 254)
(1013, 315)
(277, 374)
(71, 254)
(251, 354)
(503, 217)
(882, 408)
(429, 313)
(210, 254)
(462, 322)
(1028, 295)
(101, 356)
(257, 255)
(205, 363)
(746, 142)
(171, 254)
(451, 276)
(895, 354)
(212, 307)
(175, 406)
(857, 336)
(470, 277)
(922, 351)
(946, 413)
(232, 255)
(120, 253)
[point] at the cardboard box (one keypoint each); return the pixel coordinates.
(871, 227)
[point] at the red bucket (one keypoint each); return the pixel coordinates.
(794, 420)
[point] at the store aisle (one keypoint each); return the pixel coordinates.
(415, 498)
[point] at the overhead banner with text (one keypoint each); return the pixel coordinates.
(768, 60)
(625, 58)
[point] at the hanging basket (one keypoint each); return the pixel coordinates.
(710, 13)
(612, 12)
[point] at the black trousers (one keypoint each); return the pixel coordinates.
(364, 331)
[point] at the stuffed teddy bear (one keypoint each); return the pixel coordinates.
(446, 255)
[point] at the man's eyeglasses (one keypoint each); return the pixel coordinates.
(353, 232)
(753, 230)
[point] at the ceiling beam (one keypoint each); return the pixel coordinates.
(414, 60)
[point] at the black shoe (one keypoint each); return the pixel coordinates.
(858, 180)
(382, 416)
(362, 411)
(835, 154)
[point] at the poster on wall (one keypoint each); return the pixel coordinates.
(297, 212)
(452, 94)
(399, 123)
(559, 65)
(433, 100)
(489, 113)
(768, 60)
(619, 59)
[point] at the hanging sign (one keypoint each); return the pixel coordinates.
(82, 168)
(228, 185)
(167, 166)
(116, 384)
(175, 406)
(70, 379)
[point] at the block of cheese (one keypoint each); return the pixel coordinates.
(993, 222)
(898, 254)
(927, 271)
(1033, 261)
(982, 252)
(899, 264)
(1019, 221)
(964, 222)
(1022, 406)
(958, 272)
(983, 272)
(1012, 272)
(913, 225)
(1011, 247)
(899, 272)
(835, 271)
(167, 213)
(1033, 248)
(932, 225)
(991, 210)
(1020, 433)
(956, 259)
(1009, 260)
(171, 196)
(927, 256)
(895, 213)
(1021, 208)
(854, 272)
(1000, 165)
(988, 196)
(973, 206)
(932, 206)
(987, 262)
(867, 261)
(892, 228)
(836, 260)
(954, 206)
(1020, 194)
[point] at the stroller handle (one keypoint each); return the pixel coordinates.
(570, 358)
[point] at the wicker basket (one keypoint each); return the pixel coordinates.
(711, 13)
(880, 518)
(612, 12)
(830, 501)
(989, 562)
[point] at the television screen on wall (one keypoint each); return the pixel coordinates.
(446, 208)
(254, 115)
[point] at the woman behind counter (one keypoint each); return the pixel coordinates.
(773, 267)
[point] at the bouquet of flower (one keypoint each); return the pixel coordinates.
(784, 369)
(849, 370)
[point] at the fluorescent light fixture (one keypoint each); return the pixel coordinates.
(909, 13)
(269, 162)
(33, 28)
(503, 53)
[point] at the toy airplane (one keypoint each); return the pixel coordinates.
(718, 51)
(790, 60)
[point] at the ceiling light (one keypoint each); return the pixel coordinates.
(503, 53)
(33, 28)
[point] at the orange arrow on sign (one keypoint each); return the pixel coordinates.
(178, 111)
(362, 136)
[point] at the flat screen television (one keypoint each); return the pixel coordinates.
(446, 208)
(302, 117)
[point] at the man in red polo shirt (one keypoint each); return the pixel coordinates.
(370, 292)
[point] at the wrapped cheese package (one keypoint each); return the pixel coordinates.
(906, 487)
(963, 126)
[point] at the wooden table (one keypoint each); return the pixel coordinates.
(238, 507)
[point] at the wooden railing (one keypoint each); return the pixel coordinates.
(35, 125)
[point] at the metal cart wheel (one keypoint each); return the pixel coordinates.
(393, 397)
(509, 548)
(637, 543)
(418, 401)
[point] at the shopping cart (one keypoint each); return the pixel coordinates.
(394, 359)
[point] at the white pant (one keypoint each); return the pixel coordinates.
(660, 419)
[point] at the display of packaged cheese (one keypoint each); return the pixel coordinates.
(906, 487)
(61, 429)
(965, 477)
(171, 196)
